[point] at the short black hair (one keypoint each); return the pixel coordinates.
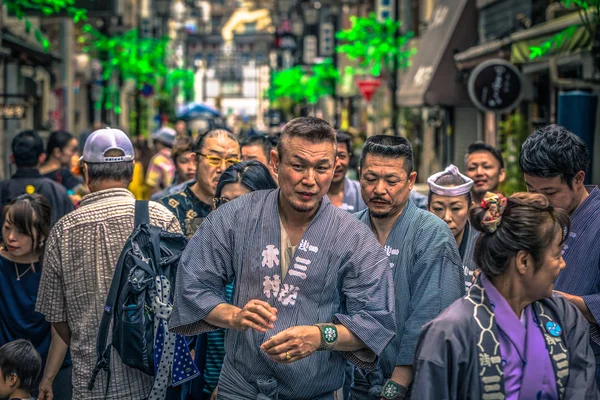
(312, 129)
(252, 174)
(27, 147)
(19, 357)
(554, 151)
(345, 137)
(115, 171)
(259, 140)
(389, 146)
(480, 146)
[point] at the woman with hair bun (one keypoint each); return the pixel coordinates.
(511, 337)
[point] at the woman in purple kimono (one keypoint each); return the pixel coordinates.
(511, 337)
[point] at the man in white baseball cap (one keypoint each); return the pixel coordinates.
(81, 253)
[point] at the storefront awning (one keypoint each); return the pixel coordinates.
(27, 52)
(580, 40)
(516, 46)
(432, 78)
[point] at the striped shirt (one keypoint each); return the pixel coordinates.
(82, 251)
(215, 353)
(161, 170)
(353, 201)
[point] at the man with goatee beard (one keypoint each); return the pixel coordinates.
(425, 262)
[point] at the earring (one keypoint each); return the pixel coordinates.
(42, 243)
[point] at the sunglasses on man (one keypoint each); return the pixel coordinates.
(217, 161)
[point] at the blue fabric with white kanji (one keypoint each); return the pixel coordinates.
(341, 278)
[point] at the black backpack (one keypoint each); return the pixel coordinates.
(149, 252)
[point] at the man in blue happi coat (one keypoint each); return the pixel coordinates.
(313, 287)
(424, 260)
(554, 162)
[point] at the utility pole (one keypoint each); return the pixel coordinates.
(66, 52)
(395, 82)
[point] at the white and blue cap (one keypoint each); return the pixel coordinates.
(102, 141)
(165, 135)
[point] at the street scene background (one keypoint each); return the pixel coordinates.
(441, 73)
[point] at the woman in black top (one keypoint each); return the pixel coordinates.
(26, 226)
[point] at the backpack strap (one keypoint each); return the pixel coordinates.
(103, 349)
(142, 214)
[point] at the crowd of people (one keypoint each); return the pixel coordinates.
(298, 282)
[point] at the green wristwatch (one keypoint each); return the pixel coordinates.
(393, 391)
(329, 336)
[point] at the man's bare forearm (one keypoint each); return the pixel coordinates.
(222, 316)
(403, 374)
(63, 330)
(56, 356)
(348, 341)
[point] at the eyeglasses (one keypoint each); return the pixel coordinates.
(219, 201)
(217, 161)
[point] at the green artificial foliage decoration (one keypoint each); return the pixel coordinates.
(512, 133)
(181, 77)
(554, 42)
(589, 12)
(305, 86)
(321, 82)
(144, 61)
(376, 44)
(287, 83)
(21, 8)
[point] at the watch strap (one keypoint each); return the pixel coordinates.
(329, 336)
(393, 391)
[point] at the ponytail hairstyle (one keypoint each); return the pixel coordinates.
(522, 222)
(31, 215)
(57, 140)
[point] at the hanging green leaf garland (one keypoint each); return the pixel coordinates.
(288, 83)
(20, 9)
(134, 58)
(375, 44)
(300, 85)
(321, 82)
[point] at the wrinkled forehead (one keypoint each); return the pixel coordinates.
(384, 163)
(221, 144)
(294, 145)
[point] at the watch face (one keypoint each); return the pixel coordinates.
(329, 334)
(390, 390)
